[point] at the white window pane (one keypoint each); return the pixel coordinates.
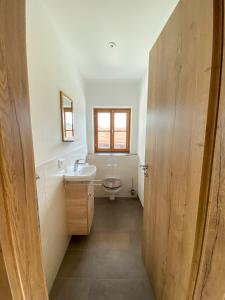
(103, 121)
(120, 121)
(120, 140)
(104, 140)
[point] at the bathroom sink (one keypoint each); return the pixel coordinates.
(83, 173)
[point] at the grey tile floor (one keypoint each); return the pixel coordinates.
(107, 264)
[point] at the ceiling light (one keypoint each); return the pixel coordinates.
(112, 44)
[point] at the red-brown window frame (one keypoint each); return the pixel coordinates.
(112, 111)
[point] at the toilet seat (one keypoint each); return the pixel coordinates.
(112, 186)
(112, 183)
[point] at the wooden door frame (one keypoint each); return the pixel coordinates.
(21, 256)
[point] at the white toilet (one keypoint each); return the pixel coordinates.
(112, 186)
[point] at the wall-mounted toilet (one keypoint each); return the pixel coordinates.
(112, 186)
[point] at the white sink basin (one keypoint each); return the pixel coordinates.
(83, 173)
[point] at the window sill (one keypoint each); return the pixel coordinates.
(112, 154)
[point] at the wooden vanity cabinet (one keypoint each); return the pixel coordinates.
(79, 208)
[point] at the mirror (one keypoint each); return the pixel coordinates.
(67, 118)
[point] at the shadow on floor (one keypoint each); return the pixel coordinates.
(107, 264)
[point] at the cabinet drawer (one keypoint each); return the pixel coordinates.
(79, 208)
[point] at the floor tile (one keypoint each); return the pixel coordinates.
(108, 263)
(76, 264)
(120, 290)
(70, 289)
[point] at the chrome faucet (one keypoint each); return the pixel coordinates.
(78, 163)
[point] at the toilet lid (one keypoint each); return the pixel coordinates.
(112, 183)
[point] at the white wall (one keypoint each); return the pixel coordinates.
(52, 214)
(112, 93)
(51, 70)
(116, 165)
(142, 134)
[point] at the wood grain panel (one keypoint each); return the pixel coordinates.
(5, 292)
(79, 208)
(180, 84)
(91, 206)
(19, 234)
(211, 277)
(81, 190)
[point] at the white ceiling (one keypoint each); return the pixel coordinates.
(89, 25)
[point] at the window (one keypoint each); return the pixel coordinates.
(112, 130)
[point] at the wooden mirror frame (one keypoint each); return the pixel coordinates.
(64, 138)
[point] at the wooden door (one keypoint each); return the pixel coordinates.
(5, 292)
(210, 284)
(19, 233)
(183, 95)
